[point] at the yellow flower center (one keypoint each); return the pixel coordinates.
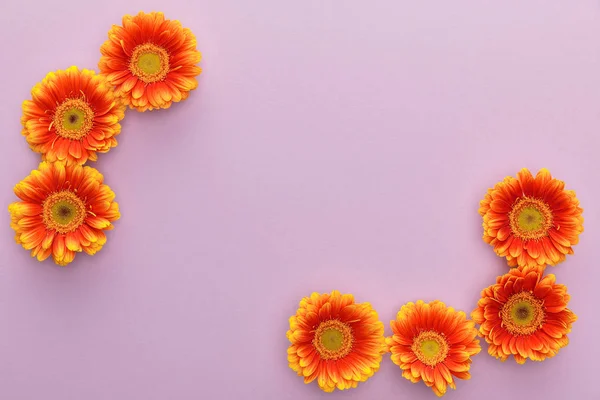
(333, 340)
(150, 63)
(73, 119)
(430, 347)
(530, 218)
(63, 211)
(522, 314)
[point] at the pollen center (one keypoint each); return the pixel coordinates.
(530, 218)
(73, 119)
(63, 211)
(150, 63)
(523, 314)
(333, 340)
(430, 347)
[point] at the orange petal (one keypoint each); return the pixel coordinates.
(138, 90)
(521, 348)
(504, 233)
(47, 242)
(519, 359)
(128, 84)
(500, 206)
(461, 375)
(58, 248)
(558, 237)
(75, 149)
(526, 181)
(427, 374)
(33, 237)
(445, 372)
(550, 250)
(97, 222)
(516, 247)
(417, 368)
(439, 380)
(72, 242)
(24, 208)
(325, 311)
(542, 178)
(534, 248)
(301, 336)
(454, 366)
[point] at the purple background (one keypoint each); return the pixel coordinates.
(331, 145)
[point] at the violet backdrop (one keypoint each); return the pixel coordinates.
(330, 145)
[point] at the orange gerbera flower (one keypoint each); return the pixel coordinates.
(151, 61)
(531, 221)
(524, 315)
(72, 116)
(433, 343)
(63, 210)
(335, 341)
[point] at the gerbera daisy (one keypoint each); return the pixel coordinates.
(63, 210)
(151, 61)
(433, 343)
(524, 315)
(335, 341)
(531, 221)
(73, 114)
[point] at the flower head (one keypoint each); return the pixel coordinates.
(151, 61)
(62, 210)
(524, 315)
(72, 116)
(335, 341)
(531, 221)
(433, 343)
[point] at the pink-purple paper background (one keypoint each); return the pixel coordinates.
(331, 145)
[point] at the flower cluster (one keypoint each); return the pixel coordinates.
(339, 342)
(64, 207)
(532, 222)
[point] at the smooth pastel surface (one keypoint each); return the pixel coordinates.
(331, 145)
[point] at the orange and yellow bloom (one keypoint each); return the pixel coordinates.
(531, 221)
(62, 210)
(151, 61)
(335, 341)
(72, 116)
(433, 343)
(524, 315)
